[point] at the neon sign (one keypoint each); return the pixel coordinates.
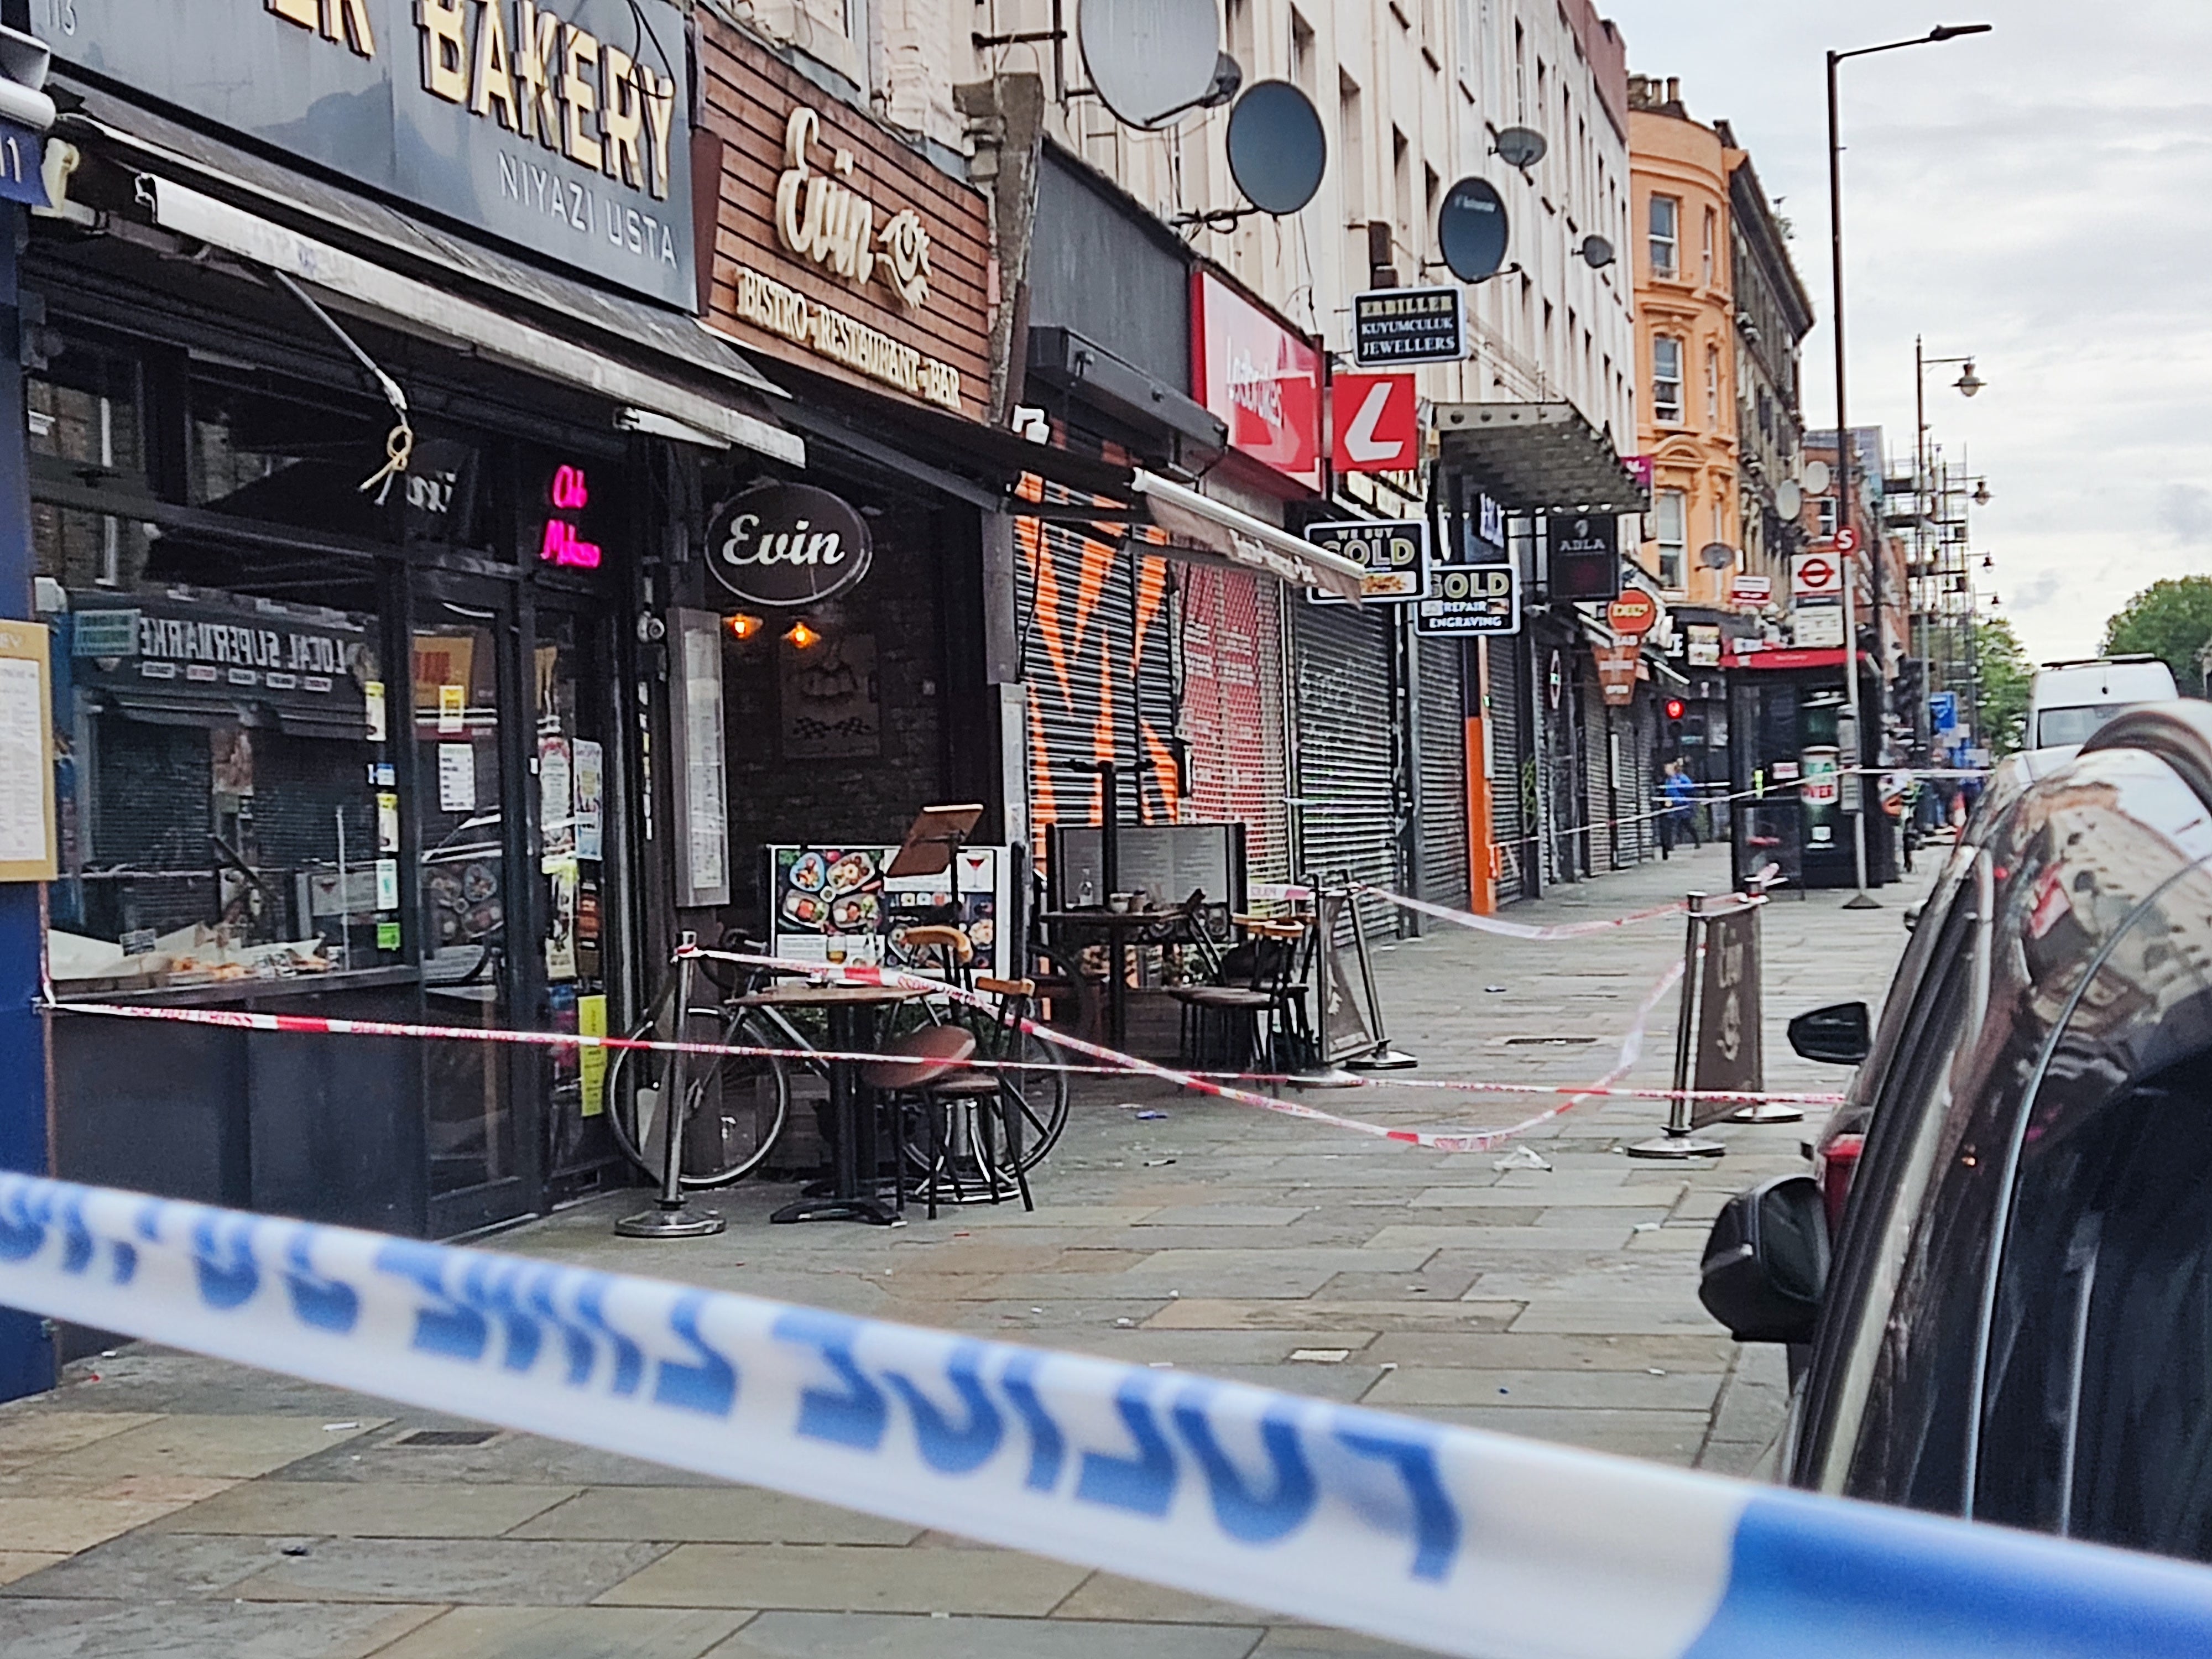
(571, 492)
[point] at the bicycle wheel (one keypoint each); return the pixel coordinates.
(737, 1104)
(1038, 1099)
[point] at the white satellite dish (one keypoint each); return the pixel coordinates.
(1817, 477)
(1150, 60)
(1789, 498)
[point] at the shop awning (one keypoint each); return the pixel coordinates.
(255, 208)
(1243, 540)
(1537, 457)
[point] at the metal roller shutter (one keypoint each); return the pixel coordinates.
(1443, 773)
(1347, 760)
(1511, 825)
(1232, 712)
(1096, 654)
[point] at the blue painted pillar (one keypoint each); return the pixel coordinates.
(26, 1351)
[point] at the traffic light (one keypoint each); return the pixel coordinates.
(1674, 708)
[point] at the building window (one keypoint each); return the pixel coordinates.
(1670, 512)
(1665, 234)
(1713, 387)
(1666, 377)
(1712, 235)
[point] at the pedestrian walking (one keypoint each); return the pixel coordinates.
(1680, 792)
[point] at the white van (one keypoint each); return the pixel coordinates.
(2071, 700)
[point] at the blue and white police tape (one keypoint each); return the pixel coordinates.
(1464, 1542)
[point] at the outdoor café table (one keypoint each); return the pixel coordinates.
(854, 1194)
(1119, 929)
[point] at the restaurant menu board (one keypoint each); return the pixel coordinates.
(838, 897)
(1164, 862)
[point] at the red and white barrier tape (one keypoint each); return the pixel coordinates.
(236, 1020)
(1631, 1050)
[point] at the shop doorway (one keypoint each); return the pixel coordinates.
(473, 905)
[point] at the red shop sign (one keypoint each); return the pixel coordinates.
(1259, 377)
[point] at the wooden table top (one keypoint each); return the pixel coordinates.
(827, 996)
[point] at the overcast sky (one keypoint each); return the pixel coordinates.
(2037, 196)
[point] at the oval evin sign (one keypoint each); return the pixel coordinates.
(787, 545)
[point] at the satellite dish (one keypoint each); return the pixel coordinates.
(1472, 229)
(1717, 555)
(1789, 498)
(1597, 252)
(1818, 478)
(1277, 150)
(1520, 147)
(1228, 76)
(1149, 60)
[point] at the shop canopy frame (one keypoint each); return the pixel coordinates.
(1538, 459)
(1199, 529)
(254, 210)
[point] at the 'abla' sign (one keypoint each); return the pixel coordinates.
(559, 125)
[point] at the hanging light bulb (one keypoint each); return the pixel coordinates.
(1969, 382)
(1981, 492)
(1989, 562)
(800, 636)
(743, 625)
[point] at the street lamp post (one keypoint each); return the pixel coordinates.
(1861, 900)
(1968, 384)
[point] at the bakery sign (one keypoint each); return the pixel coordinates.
(560, 126)
(852, 254)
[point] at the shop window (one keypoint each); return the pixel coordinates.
(1666, 377)
(227, 807)
(1670, 513)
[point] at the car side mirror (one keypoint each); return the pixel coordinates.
(1840, 1035)
(1767, 1262)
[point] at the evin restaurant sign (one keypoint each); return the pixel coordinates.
(560, 126)
(839, 248)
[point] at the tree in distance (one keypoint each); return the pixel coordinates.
(2006, 676)
(2170, 619)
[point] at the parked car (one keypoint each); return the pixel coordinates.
(2004, 1311)
(2069, 701)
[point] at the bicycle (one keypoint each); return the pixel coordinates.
(738, 1105)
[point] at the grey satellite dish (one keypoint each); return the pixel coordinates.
(1472, 229)
(1520, 147)
(1717, 555)
(1818, 478)
(1789, 498)
(1228, 76)
(1150, 60)
(1597, 252)
(1277, 149)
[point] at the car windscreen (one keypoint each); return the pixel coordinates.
(2057, 728)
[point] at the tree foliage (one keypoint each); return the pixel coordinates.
(2007, 677)
(2172, 619)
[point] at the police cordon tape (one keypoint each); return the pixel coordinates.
(1441, 1140)
(1461, 1541)
(313, 1024)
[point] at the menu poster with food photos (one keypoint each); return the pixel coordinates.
(825, 898)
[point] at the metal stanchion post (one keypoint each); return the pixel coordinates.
(1678, 1140)
(667, 1218)
(1386, 1056)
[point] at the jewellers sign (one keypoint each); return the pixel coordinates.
(787, 546)
(837, 247)
(557, 125)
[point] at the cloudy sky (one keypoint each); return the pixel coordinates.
(2037, 196)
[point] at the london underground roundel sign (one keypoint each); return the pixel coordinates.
(1633, 614)
(786, 544)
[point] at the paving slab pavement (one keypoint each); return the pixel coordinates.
(160, 1502)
